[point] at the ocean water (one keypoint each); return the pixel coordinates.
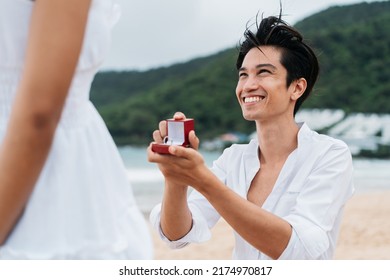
(145, 177)
(369, 175)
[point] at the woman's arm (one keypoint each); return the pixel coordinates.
(55, 40)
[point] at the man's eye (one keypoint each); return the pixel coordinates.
(263, 71)
(242, 75)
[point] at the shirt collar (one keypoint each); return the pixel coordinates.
(304, 134)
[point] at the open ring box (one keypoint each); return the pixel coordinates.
(177, 134)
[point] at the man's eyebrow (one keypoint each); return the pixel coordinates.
(266, 65)
(260, 66)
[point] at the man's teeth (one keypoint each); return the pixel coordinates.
(253, 99)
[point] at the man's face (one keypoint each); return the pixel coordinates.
(261, 89)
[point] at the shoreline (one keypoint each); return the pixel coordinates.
(364, 234)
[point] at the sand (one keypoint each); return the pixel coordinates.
(365, 234)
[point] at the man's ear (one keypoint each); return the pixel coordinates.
(298, 88)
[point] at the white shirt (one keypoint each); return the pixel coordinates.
(310, 193)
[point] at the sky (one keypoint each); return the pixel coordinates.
(156, 33)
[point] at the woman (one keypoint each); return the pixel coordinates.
(64, 193)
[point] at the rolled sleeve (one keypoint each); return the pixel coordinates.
(199, 232)
(305, 243)
(316, 217)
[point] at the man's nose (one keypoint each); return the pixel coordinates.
(251, 84)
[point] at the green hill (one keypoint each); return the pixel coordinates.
(353, 43)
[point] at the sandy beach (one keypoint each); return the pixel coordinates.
(365, 234)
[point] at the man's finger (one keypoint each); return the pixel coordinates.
(180, 151)
(156, 157)
(179, 116)
(157, 136)
(150, 153)
(194, 140)
(162, 126)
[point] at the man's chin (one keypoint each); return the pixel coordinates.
(249, 117)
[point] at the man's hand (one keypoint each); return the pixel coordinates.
(181, 165)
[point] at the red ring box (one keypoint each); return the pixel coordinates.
(177, 134)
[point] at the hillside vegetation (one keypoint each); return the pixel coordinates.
(353, 44)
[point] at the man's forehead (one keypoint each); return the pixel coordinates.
(264, 55)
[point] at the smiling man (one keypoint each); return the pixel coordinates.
(284, 192)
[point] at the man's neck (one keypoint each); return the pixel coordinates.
(276, 140)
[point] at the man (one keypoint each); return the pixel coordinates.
(283, 193)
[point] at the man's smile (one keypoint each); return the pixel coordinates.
(253, 99)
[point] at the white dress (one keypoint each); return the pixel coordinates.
(82, 206)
